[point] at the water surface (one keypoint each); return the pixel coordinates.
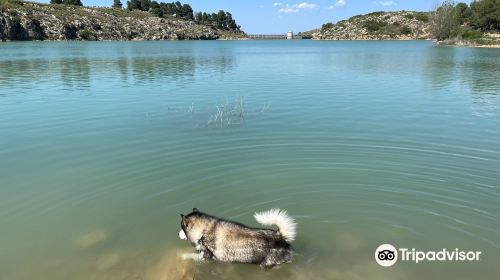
(103, 145)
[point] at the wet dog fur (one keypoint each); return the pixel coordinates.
(227, 241)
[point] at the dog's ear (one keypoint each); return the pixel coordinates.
(196, 210)
(182, 216)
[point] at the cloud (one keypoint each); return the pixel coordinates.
(305, 5)
(339, 3)
(386, 3)
(288, 10)
(295, 8)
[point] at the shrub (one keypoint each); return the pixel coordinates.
(391, 30)
(86, 34)
(355, 17)
(461, 32)
(405, 29)
(485, 41)
(376, 13)
(326, 26)
(10, 3)
(373, 25)
(421, 16)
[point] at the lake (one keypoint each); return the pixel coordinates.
(104, 144)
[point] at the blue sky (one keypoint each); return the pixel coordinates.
(280, 16)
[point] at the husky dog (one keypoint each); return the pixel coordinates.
(227, 241)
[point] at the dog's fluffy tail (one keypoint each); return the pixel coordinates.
(286, 224)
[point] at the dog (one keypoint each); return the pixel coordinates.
(227, 241)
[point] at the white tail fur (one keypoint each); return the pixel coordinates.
(280, 218)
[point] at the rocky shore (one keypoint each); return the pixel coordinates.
(403, 25)
(32, 21)
(489, 40)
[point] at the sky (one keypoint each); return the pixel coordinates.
(280, 16)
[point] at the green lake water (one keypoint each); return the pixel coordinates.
(104, 144)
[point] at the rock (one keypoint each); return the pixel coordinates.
(32, 21)
(403, 25)
(107, 261)
(90, 239)
(171, 266)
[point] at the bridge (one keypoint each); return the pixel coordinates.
(288, 36)
(267, 37)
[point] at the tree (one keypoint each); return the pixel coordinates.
(442, 21)
(146, 5)
(72, 2)
(485, 14)
(221, 20)
(143, 5)
(187, 12)
(462, 13)
(406, 30)
(172, 9)
(231, 23)
(156, 9)
(56, 1)
(117, 4)
(198, 16)
(133, 5)
(326, 26)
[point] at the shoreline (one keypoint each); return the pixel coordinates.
(220, 39)
(465, 44)
(393, 39)
(446, 43)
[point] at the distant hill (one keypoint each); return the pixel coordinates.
(21, 20)
(377, 26)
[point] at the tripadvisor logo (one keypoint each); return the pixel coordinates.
(387, 255)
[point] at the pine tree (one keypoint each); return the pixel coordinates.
(143, 5)
(486, 14)
(117, 4)
(72, 2)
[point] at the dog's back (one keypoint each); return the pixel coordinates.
(234, 242)
(229, 241)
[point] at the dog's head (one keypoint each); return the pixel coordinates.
(192, 226)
